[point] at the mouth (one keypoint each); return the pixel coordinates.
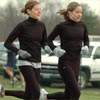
(38, 15)
(78, 18)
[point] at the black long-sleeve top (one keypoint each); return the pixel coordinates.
(32, 35)
(72, 34)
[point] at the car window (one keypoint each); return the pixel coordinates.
(88, 54)
(43, 51)
(97, 52)
(2, 48)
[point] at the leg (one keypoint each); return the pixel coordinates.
(72, 91)
(9, 71)
(11, 61)
(32, 82)
(31, 85)
(22, 79)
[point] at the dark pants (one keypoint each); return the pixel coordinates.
(32, 89)
(69, 71)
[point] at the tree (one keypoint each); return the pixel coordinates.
(51, 18)
(9, 18)
(92, 21)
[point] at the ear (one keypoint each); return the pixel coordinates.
(69, 12)
(28, 11)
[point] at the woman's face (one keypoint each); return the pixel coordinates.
(35, 12)
(76, 14)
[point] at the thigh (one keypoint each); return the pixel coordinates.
(69, 79)
(31, 77)
(67, 75)
(30, 74)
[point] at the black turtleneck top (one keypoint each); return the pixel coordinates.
(72, 34)
(32, 35)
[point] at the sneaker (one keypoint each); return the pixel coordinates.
(1, 91)
(43, 92)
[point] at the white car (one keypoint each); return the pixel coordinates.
(90, 65)
(89, 68)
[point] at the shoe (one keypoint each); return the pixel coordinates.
(1, 91)
(43, 92)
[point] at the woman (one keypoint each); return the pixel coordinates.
(72, 33)
(31, 34)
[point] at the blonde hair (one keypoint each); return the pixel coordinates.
(71, 7)
(29, 5)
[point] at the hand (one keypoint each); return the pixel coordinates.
(24, 54)
(85, 49)
(47, 49)
(59, 52)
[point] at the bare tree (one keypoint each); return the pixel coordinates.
(92, 21)
(10, 17)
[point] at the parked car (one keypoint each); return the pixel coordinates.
(2, 57)
(89, 68)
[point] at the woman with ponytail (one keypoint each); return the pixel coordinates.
(72, 33)
(32, 35)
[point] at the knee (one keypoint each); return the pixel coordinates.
(78, 93)
(37, 93)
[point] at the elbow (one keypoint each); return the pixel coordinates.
(6, 45)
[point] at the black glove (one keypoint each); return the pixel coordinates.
(24, 54)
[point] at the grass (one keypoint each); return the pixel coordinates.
(89, 93)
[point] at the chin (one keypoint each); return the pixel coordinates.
(38, 18)
(78, 20)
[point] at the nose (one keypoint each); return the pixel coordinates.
(80, 15)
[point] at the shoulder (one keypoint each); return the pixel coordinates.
(60, 25)
(20, 24)
(82, 23)
(24, 22)
(41, 23)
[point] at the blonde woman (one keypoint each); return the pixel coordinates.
(72, 33)
(32, 35)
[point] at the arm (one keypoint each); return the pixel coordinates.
(56, 31)
(86, 38)
(56, 50)
(44, 37)
(13, 35)
(85, 47)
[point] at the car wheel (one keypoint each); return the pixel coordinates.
(82, 80)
